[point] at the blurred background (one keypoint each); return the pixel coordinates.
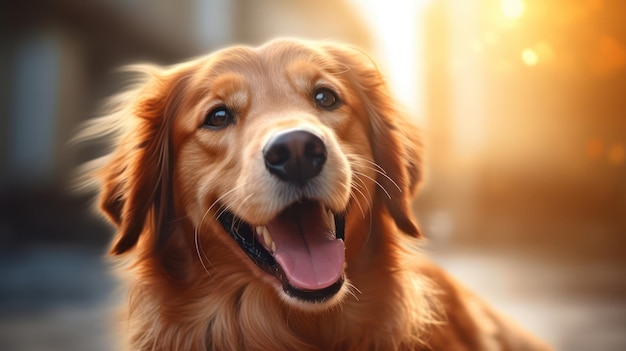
(522, 103)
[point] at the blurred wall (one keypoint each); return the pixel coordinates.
(58, 60)
(521, 101)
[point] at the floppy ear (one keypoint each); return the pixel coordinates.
(396, 145)
(136, 177)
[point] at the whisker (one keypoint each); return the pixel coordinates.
(378, 169)
(384, 174)
(200, 256)
(369, 229)
(226, 194)
(358, 204)
(199, 250)
(373, 180)
(353, 290)
(345, 186)
(195, 238)
(365, 159)
(364, 187)
(232, 225)
(237, 221)
(356, 188)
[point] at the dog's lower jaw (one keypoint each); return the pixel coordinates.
(321, 306)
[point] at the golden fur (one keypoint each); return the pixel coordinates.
(167, 179)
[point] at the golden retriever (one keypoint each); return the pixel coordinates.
(261, 198)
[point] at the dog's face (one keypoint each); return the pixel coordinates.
(282, 155)
(271, 153)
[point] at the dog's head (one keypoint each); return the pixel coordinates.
(284, 156)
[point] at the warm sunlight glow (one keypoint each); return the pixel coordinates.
(467, 93)
(398, 46)
(513, 8)
(530, 57)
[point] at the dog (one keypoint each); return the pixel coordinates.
(261, 200)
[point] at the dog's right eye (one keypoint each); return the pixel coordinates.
(326, 98)
(218, 118)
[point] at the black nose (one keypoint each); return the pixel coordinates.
(295, 156)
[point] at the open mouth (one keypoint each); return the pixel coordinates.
(302, 247)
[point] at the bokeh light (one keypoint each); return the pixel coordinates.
(513, 8)
(530, 57)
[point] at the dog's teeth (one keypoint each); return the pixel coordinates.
(332, 223)
(267, 238)
(264, 234)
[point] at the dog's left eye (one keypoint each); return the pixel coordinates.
(218, 118)
(325, 98)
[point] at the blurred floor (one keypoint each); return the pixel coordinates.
(55, 298)
(573, 306)
(61, 298)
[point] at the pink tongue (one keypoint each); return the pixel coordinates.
(306, 249)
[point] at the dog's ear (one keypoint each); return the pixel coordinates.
(396, 144)
(135, 179)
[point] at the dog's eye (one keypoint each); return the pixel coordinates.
(325, 98)
(218, 118)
